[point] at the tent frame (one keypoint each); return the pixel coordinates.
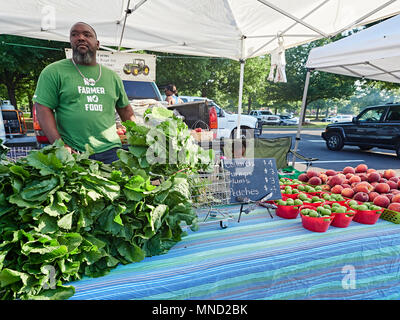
(242, 59)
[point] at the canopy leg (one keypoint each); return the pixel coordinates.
(302, 112)
(242, 62)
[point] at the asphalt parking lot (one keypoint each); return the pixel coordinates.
(312, 145)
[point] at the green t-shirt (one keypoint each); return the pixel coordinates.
(84, 114)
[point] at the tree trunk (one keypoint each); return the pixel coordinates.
(11, 93)
(30, 97)
(249, 105)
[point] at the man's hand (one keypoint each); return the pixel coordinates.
(70, 150)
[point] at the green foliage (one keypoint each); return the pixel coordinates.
(78, 217)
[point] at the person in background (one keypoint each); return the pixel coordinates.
(172, 95)
(76, 99)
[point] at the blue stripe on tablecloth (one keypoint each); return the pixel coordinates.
(261, 258)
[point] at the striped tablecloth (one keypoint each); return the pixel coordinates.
(262, 258)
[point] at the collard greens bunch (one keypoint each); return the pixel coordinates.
(65, 216)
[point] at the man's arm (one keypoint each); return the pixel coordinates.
(126, 113)
(48, 124)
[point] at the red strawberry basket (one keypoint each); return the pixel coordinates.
(366, 216)
(287, 212)
(315, 224)
(342, 220)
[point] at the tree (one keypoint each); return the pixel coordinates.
(21, 61)
(322, 85)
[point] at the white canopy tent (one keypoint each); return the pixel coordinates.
(234, 29)
(372, 53)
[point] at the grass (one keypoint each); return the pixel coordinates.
(312, 125)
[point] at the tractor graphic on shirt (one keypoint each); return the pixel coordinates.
(137, 67)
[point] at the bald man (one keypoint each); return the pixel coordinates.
(76, 99)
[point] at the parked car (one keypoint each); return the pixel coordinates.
(376, 126)
(261, 115)
(287, 120)
(339, 118)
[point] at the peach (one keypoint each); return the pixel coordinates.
(382, 188)
(394, 206)
(349, 170)
(373, 177)
(311, 174)
(389, 196)
(396, 198)
(349, 175)
(394, 191)
(334, 180)
(346, 185)
(323, 177)
(374, 183)
(371, 170)
(382, 180)
(303, 177)
(354, 179)
(392, 184)
(363, 187)
(330, 172)
(387, 174)
(361, 168)
(372, 195)
(395, 179)
(337, 189)
(326, 187)
(361, 196)
(315, 181)
(382, 201)
(347, 192)
(363, 176)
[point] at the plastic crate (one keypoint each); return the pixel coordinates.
(15, 153)
(390, 215)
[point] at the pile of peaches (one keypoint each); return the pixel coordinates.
(359, 183)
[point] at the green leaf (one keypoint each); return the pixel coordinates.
(156, 215)
(66, 221)
(8, 276)
(130, 251)
(35, 191)
(20, 172)
(59, 293)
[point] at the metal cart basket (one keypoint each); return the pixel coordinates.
(210, 194)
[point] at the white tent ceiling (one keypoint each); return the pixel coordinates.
(372, 53)
(193, 27)
(235, 29)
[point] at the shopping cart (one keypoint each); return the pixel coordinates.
(210, 192)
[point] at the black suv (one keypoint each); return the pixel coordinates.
(377, 126)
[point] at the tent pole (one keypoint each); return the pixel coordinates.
(302, 112)
(242, 62)
(127, 11)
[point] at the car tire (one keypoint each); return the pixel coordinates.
(365, 148)
(242, 133)
(335, 142)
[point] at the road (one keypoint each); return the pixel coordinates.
(312, 145)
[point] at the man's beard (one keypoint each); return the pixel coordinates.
(83, 58)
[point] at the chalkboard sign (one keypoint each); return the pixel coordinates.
(252, 179)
